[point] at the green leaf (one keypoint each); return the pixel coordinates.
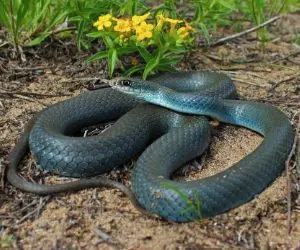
(3, 44)
(80, 29)
(177, 50)
(85, 44)
(4, 15)
(145, 54)
(95, 34)
(109, 43)
(112, 60)
(166, 68)
(193, 205)
(171, 60)
(205, 33)
(38, 39)
(197, 16)
(150, 66)
(126, 50)
(97, 56)
(21, 13)
(56, 19)
(41, 12)
(197, 201)
(170, 186)
(134, 69)
(75, 19)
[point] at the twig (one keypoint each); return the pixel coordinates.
(244, 68)
(297, 149)
(7, 217)
(291, 102)
(295, 53)
(16, 68)
(251, 83)
(27, 98)
(34, 202)
(275, 85)
(81, 79)
(293, 61)
(287, 169)
(2, 175)
(248, 73)
(42, 203)
(105, 237)
(13, 24)
(4, 91)
(291, 68)
(245, 32)
(55, 32)
(298, 153)
(247, 60)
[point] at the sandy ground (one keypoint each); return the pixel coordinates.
(105, 219)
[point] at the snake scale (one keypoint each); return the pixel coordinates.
(167, 135)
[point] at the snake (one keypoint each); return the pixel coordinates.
(165, 121)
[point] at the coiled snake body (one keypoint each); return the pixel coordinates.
(174, 139)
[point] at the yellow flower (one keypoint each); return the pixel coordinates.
(143, 31)
(124, 37)
(136, 20)
(183, 32)
(160, 21)
(173, 23)
(189, 27)
(103, 22)
(123, 25)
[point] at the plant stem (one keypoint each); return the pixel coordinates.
(13, 24)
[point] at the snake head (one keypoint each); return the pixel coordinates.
(142, 89)
(122, 84)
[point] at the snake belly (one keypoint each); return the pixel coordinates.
(174, 139)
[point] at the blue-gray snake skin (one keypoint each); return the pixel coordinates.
(166, 140)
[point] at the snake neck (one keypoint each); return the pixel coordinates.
(190, 103)
(236, 112)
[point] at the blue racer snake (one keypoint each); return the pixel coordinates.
(167, 135)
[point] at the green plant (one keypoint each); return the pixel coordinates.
(213, 13)
(204, 14)
(160, 41)
(296, 39)
(30, 22)
(193, 205)
(83, 12)
(261, 10)
(6, 241)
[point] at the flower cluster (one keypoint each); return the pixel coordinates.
(140, 30)
(153, 43)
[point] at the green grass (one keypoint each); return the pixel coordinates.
(30, 22)
(6, 242)
(261, 10)
(193, 205)
(296, 39)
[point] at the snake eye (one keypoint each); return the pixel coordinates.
(126, 83)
